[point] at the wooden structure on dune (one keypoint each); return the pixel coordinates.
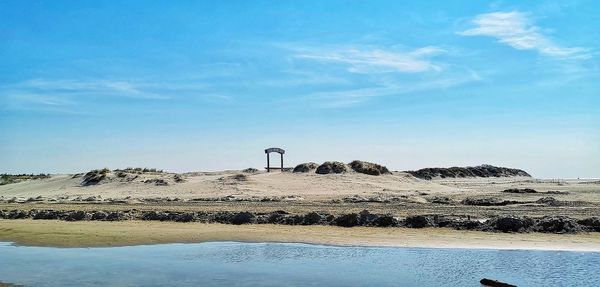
(277, 150)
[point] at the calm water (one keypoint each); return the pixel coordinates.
(277, 264)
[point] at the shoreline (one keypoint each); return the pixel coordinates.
(53, 233)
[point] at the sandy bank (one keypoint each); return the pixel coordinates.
(104, 234)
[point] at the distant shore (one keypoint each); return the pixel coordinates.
(124, 233)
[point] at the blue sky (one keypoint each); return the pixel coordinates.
(207, 85)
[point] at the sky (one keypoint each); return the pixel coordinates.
(208, 85)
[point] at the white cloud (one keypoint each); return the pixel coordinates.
(518, 31)
(374, 60)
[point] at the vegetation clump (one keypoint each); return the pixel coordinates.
(368, 168)
(139, 170)
(250, 170)
(14, 178)
(484, 170)
(178, 178)
(520, 190)
(306, 167)
(240, 177)
(157, 181)
(95, 176)
(332, 167)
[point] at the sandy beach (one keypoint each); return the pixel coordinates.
(398, 193)
(110, 234)
(146, 207)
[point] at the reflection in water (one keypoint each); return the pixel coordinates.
(276, 264)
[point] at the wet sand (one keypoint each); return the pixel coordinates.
(124, 233)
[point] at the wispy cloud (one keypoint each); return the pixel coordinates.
(352, 97)
(373, 59)
(71, 95)
(377, 71)
(104, 88)
(517, 30)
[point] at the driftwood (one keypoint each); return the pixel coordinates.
(495, 283)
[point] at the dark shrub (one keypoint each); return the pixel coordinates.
(418, 221)
(557, 224)
(242, 218)
(306, 167)
(332, 167)
(368, 168)
(520, 190)
(347, 220)
(591, 224)
(312, 218)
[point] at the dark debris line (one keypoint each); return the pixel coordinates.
(547, 224)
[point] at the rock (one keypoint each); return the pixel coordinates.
(519, 190)
(591, 224)
(75, 215)
(242, 218)
(368, 168)
(494, 283)
(557, 224)
(347, 220)
(306, 167)
(418, 221)
(332, 167)
(461, 172)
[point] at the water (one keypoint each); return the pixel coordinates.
(279, 264)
